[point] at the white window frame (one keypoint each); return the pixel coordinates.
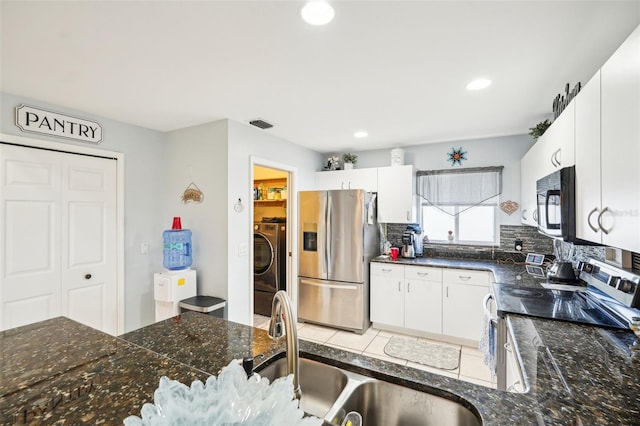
(456, 227)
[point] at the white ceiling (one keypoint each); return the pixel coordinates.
(396, 69)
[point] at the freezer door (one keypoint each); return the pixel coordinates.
(345, 235)
(332, 303)
(312, 235)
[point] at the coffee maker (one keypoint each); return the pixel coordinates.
(412, 241)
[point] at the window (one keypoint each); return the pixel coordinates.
(463, 201)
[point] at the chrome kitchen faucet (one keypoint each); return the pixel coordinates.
(281, 312)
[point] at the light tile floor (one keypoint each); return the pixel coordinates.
(373, 341)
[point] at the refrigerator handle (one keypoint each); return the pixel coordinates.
(327, 219)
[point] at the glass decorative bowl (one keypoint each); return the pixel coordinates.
(229, 399)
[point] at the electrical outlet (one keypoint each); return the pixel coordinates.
(518, 245)
(243, 250)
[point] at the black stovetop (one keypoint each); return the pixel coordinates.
(565, 305)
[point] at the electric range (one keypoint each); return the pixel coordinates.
(610, 299)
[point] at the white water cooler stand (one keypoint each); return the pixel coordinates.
(169, 288)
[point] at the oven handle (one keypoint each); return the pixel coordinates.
(485, 305)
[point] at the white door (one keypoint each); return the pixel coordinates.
(60, 241)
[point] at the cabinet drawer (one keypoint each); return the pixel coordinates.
(387, 270)
(466, 276)
(422, 273)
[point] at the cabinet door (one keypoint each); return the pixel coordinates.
(462, 314)
(587, 157)
(620, 146)
(395, 194)
(558, 143)
(366, 179)
(387, 294)
(423, 305)
(330, 180)
(528, 202)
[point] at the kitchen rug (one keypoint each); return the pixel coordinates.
(423, 352)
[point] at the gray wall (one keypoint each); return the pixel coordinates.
(145, 159)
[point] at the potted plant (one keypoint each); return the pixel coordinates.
(349, 160)
(540, 128)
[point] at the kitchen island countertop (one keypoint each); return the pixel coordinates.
(58, 370)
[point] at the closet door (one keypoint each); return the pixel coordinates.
(30, 235)
(58, 229)
(88, 234)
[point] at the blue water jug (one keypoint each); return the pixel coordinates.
(177, 249)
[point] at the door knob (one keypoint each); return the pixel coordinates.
(87, 277)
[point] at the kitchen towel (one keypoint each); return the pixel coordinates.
(488, 341)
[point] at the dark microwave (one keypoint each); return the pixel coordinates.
(557, 204)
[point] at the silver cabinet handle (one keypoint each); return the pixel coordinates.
(349, 185)
(524, 217)
(408, 217)
(605, 230)
(593, 228)
(535, 216)
(423, 274)
(554, 158)
(386, 270)
(342, 185)
(464, 278)
(447, 292)
(409, 287)
(399, 283)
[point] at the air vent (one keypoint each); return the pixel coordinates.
(261, 124)
(635, 261)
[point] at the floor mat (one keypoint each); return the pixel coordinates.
(423, 352)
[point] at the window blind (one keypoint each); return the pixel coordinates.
(466, 187)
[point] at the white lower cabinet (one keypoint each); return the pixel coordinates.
(386, 297)
(406, 297)
(432, 300)
(462, 314)
(423, 299)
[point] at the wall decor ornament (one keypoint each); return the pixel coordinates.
(192, 193)
(456, 156)
(509, 207)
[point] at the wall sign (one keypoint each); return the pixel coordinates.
(35, 120)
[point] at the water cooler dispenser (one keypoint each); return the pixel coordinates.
(178, 281)
(170, 287)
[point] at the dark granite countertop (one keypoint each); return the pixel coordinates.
(504, 272)
(59, 371)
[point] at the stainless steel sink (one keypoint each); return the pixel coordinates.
(382, 403)
(329, 393)
(321, 384)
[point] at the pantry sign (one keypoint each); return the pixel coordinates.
(35, 120)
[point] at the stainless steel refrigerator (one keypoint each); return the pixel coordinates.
(338, 236)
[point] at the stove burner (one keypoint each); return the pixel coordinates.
(525, 292)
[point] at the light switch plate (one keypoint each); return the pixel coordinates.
(243, 249)
(144, 248)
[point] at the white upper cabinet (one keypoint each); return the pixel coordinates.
(619, 218)
(396, 186)
(557, 145)
(528, 178)
(366, 179)
(588, 160)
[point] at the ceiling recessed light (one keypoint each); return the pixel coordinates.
(317, 13)
(479, 84)
(360, 134)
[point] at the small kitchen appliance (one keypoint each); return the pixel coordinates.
(408, 238)
(562, 268)
(412, 241)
